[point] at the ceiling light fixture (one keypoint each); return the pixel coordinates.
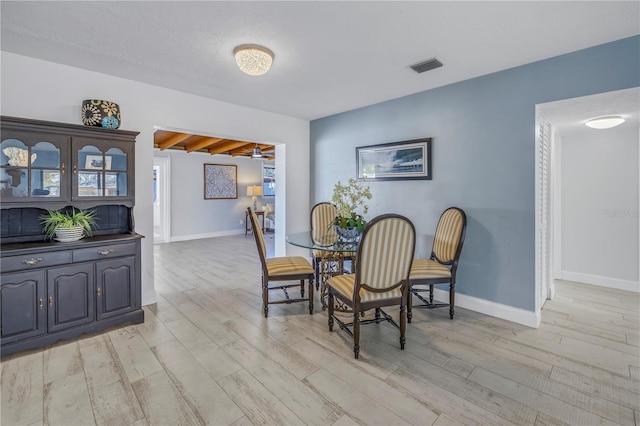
(253, 59)
(605, 122)
(257, 152)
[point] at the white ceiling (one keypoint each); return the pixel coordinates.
(571, 114)
(330, 57)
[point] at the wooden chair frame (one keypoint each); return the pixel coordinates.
(453, 266)
(267, 278)
(358, 307)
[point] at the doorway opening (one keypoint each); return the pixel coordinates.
(587, 226)
(161, 200)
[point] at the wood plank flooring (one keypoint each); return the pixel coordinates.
(206, 355)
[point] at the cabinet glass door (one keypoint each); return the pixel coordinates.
(90, 170)
(101, 173)
(115, 179)
(45, 170)
(31, 167)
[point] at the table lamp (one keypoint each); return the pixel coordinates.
(253, 191)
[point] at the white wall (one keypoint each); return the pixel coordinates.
(599, 187)
(43, 90)
(207, 218)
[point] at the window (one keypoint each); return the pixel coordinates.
(269, 180)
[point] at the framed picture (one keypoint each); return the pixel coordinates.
(95, 162)
(220, 181)
(404, 160)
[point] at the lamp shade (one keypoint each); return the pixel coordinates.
(254, 190)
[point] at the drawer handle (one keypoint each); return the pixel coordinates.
(32, 261)
(105, 252)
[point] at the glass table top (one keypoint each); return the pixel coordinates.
(326, 242)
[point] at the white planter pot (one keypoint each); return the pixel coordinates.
(65, 235)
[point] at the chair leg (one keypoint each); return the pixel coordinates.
(311, 296)
(403, 325)
(265, 296)
(452, 299)
(316, 270)
(431, 294)
(409, 302)
(301, 288)
(377, 314)
(356, 334)
(330, 310)
(315, 267)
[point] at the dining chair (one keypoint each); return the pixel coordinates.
(323, 233)
(287, 268)
(441, 267)
(383, 264)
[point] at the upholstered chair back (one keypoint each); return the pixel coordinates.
(322, 216)
(385, 255)
(448, 235)
(257, 231)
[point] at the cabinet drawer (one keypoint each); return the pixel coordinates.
(103, 252)
(32, 261)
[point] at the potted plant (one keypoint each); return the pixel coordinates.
(348, 199)
(65, 226)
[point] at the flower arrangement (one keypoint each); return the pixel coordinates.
(347, 199)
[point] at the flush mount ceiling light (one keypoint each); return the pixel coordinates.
(257, 152)
(605, 122)
(253, 59)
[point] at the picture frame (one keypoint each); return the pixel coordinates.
(95, 162)
(220, 181)
(405, 160)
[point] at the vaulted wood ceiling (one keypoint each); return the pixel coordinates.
(164, 139)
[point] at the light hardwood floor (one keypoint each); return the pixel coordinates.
(205, 354)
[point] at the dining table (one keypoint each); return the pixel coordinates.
(332, 251)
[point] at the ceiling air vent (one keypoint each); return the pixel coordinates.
(427, 65)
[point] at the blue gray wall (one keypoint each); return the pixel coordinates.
(483, 133)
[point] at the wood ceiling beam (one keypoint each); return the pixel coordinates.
(175, 139)
(203, 144)
(225, 146)
(248, 148)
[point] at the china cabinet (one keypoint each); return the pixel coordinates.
(52, 290)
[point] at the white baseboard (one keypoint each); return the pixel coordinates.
(494, 309)
(206, 235)
(601, 281)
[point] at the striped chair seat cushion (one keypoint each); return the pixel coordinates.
(344, 285)
(428, 268)
(290, 265)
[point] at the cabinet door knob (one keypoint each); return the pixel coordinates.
(105, 252)
(32, 261)
(40, 303)
(99, 291)
(62, 168)
(75, 169)
(51, 301)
